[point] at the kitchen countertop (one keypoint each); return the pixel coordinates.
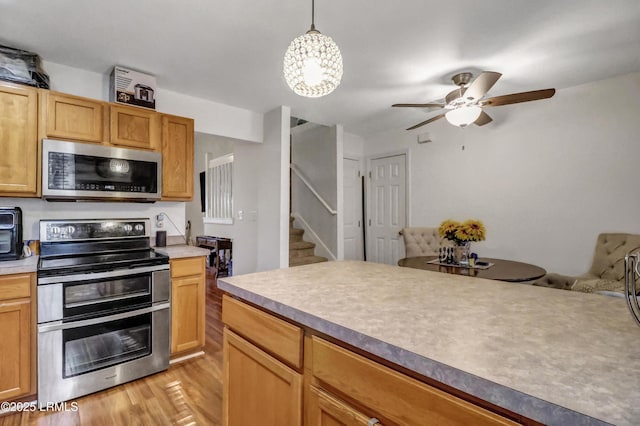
(558, 357)
(22, 266)
(182, 250)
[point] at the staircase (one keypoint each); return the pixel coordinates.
(301, 252)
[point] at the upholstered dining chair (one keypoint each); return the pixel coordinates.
(421, 241)
(606, 273)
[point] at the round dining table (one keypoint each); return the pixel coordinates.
(499, 269)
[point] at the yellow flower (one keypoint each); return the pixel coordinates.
(469, 230)
(448, 229)
(474, 230)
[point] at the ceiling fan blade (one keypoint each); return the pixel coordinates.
(419, 105)
(515, 98)
(483, 119)
(481, 85)
(432, 119)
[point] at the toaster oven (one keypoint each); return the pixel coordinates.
(10, 233)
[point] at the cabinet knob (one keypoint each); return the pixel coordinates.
(373, 422)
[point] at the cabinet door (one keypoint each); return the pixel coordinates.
(257, 388)
(187, 306)
(15, 348)
(325, 410)
(393, 395)
(134, 127)
(177, 158)
(19, 140)
(74, 118)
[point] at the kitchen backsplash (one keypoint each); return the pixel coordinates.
(35, 209)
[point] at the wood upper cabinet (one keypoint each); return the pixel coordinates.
(134, 127)
(17, 346)
(18, 140)
(187, 304)
(73, 117)
(177, 158)
(76, 118)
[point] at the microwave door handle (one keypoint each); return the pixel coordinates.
(58, 325)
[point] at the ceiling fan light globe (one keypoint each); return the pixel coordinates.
(313, 65)
(464, 115)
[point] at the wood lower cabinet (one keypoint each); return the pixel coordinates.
(187, 304)
(262, 362)
(389, 395)
(262, 355)
(75, 118)
(177, 158)
(134, 127)
(17, 346)
(18, 140)
(258, 388)
(322, 409)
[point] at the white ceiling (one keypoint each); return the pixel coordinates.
(394, 51)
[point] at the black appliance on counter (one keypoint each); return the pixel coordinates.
(104, 313)
(10, 233)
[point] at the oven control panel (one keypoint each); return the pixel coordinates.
(82, 230)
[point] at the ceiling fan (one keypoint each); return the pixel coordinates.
(465, 105)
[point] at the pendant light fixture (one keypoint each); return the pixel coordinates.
(313, 63)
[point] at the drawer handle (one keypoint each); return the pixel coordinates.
(373, 422)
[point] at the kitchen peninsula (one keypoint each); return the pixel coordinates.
(523, 352)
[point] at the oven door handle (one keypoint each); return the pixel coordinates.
(100, 275)
(59, 325)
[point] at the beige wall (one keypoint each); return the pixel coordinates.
(545, 177)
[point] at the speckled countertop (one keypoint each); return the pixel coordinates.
(26, 265)
(558, 357)
(183, 250)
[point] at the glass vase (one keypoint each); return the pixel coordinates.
(461, 254)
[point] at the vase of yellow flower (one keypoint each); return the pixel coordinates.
(462, 234)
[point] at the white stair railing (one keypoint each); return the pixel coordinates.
(312, 189)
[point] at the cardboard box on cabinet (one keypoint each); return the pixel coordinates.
(132, 87)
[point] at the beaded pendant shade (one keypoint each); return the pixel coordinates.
(313, 63)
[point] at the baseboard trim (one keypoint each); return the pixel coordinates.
(186, 357)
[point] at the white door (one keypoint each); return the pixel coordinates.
(352, 210)
(386, 209)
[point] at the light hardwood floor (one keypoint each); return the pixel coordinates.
(188, 393)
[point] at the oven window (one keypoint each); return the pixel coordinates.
(98, 346)
(5, 241)
(6, 219)
(93, 297)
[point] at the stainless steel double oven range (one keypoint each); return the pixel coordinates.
(103, 306)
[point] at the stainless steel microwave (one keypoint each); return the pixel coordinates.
(80, 171)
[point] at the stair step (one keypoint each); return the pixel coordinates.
(293, 254)
(296, 231)
(307, 260)
(295, 234)
(299, 245)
